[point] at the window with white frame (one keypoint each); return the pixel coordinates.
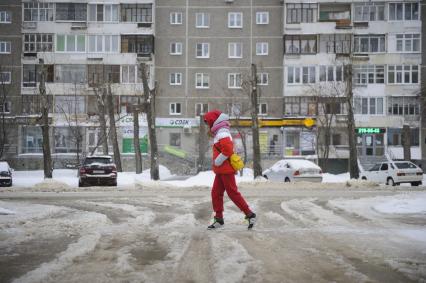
(175, 108)
(234, 80)
(408, 42)
(262, 48)
(403, 105)
(72, 74)
(202, 20)
(203, 50)
(369, 43)
(369, 11)
(263, 109)
(262, 18)
(262, 78)
(175, 79)
(5, 107)
(5, 47)
(175, 18)
(37, 42)
(308, 75)
(5, 78)
(234, 109)
(103, 43)
(331, 73)
(368, 74)
(136, 13)
(293, 75)
(201, 108)
(404, 11)
(304, 74)
(38, 12)
(235, 50)
(71, 12)
(176, 48)
(300, 44)
(202, 80)
(103, 12)
(301, 13)
(130, 74)
(369, 105)
(5, 17)
(70, 43)
(335, 43)
(235, 20)
(403, 74)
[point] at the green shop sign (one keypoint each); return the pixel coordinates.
(129, 148)
(370, 130)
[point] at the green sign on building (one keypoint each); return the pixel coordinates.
(370, 130)
(128, 145)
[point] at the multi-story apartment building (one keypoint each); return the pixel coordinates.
(10, 75)
(382, 42)
(423, 87)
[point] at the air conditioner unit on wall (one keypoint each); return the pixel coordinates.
(187, 129)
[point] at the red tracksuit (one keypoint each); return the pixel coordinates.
(225, 180)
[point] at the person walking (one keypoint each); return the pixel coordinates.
(224, 180)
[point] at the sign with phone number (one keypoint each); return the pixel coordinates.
(370, 130)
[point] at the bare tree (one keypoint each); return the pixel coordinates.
(113, 129)
(45, 106)
(136, 143)
(5, 123)
(257, 168)
(101, 102)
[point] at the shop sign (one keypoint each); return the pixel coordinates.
(176, 122)
(370, 130)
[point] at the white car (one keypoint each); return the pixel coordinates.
(291, 170)
(394, 173)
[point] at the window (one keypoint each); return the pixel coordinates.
(175, 139)
(235, 50)
(262, 18)
(71, 12)
(295, 106)
(336, 139)
(403, 11)
(369, 74)
(141, 44)
(395, 136)
(234, 80)
(308, 75)
(175, 109)
(406, 106)
(5, 47)
(262, 48)
(103, 13)
(403, 74)
(202, 80)
(73, 74)
(137, 13)
(330, 73)
(5, 17)
(70, 104)
(32, 139)
(5, 107)
(100, 74)
(333, 108)
(300, 44)
(5, 78)
(369, 43)
(201, 108)
(70, 43)
(38, 12)
(176, 48)
(263, 109)
(202, 50)
(175, 79)
(202, 20)
(234, 109)
(235, 20)
(128, 102)
(293, 75)
(301, 13)
(37, 42)
(335, 43)
(130, 74)
(369, 11)
(175, 18)
(408, 42)
(369, 106)
(103, 43)
(336, 12)
(66, 138)
(29, 78)
(262, 78)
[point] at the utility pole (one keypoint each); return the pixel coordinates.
(257, 168)
(47, 157)
(353, 155)
(115, 148)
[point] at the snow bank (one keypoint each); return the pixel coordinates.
(4, 211)
(403, 204)
(51, 184)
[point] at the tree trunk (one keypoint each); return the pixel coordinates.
(257, 168)
(115, 148)
(149, 102)
(202, 142)
(100, 99)
(353, 155)
(136, 143)
(406, 133)
(47, 158)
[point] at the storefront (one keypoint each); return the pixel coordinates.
(370, 141)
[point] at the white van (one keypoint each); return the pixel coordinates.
(394, 173)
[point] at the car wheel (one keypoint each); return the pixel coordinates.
(390, 182)
(364, 178)
(10, 184)
(415, 184)
(287, 180)
(266, 177)
(80, 184)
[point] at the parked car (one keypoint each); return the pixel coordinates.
(5, 174)
(291, 170)
(97, 170)
(394, 173)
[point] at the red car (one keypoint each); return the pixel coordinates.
(97, 170)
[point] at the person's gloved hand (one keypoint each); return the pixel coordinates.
(220, 159)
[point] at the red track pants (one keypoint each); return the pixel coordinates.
(222, 183)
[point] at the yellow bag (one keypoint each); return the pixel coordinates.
(236, 162)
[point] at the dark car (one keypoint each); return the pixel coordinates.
(5, 174)
(97, 170)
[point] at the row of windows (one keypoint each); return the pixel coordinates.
(233, 109)
(362, 74)
(235, 19)
(202, 80)
(235, 49)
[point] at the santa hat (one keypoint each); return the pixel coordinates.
(211, 116)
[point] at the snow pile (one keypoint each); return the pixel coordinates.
(4, 211)
(354, 183)
(332, 178)
(51, 185)
(404, 204)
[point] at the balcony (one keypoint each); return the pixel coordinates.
(336, 12)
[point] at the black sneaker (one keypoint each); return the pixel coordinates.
(251, 219)
(217, 223)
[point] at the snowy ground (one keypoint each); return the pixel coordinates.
(143, 231)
